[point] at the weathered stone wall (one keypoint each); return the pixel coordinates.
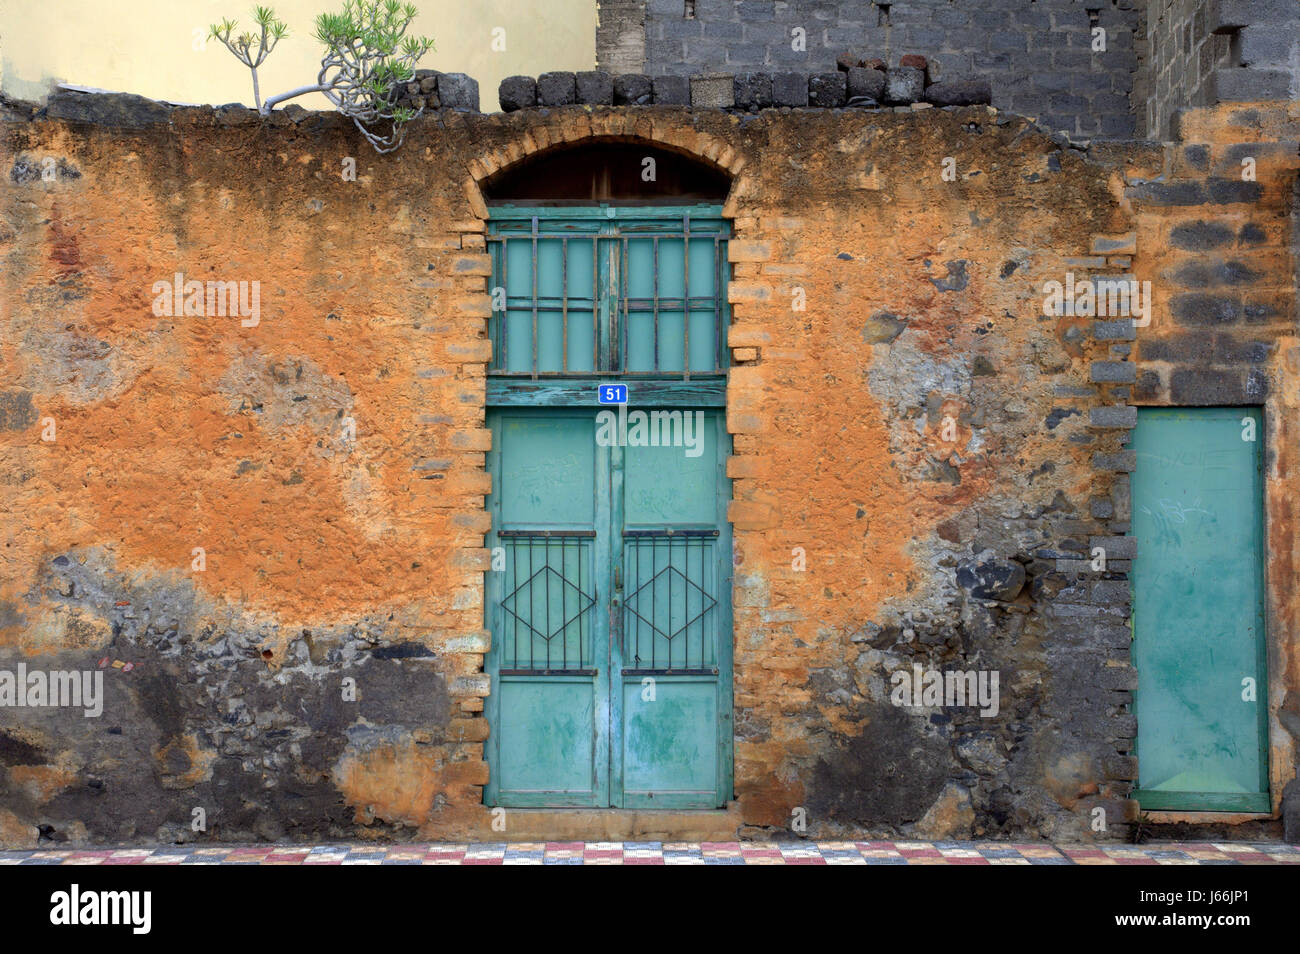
(1216, 222)
(942, 453)
(1205, 52)
(1038, 56)
(328, 461)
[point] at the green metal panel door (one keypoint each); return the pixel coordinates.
(1198, 610)
(609, 606)
(673, 696)
(549, 706)
(610, 601)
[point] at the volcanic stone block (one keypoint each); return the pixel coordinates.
(827, 89)
(961, 92)
(1200, 236)
(16, 410)
(1113, 416)
(904, 84)
(752, 90)
(106, 109)
(1204, 386)
(992, 580)
(559, 88)
(1291, 812)
(1203, 309)
(517, 92)
(595, 87)
(790, 89)
(1113, 372)
(633, 89)
(1228, 15)
(713, 91)
(672, 91)
(458, 91)
(1230, 191)
(236, 114)
(865, 83)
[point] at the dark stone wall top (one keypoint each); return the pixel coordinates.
(853, 82)
(429, 90)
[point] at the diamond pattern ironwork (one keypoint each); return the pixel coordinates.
(707, 602)
(585, 602)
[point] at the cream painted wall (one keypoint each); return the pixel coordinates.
(147, 46)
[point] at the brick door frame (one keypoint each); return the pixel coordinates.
(577, 127)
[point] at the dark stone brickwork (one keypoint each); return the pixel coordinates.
(1037, 55)
(1205, 52)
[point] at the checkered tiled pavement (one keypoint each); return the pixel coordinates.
(677, 853)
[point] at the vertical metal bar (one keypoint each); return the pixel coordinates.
(546, 577)
(687, 601)
(564, 303)
(503, 319)
(708, 633)
(654, 568)
(635, 549)
(655, 306)
(595, 306)
(534, 297)
(532, 638)
(686, 296)
(564, 602)
(720, 339)
(582, 613)
(703, 597)
(492, 249)
(514, 589)
(621, 339)
(670, 602)
(703, 629)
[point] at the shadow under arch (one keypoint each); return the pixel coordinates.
(606, 169)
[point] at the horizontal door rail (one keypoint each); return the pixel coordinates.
(646, 375)
(547, 672)
(671, 532)
(504, 234)
(515, 534)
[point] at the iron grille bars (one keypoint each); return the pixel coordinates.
(667, 624)
(615, 310)
(547, 601)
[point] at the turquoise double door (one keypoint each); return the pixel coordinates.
(609, 605)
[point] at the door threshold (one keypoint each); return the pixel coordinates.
(620, 824)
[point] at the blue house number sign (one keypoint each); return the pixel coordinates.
(612, 394)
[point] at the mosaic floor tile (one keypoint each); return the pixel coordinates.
(678, 853)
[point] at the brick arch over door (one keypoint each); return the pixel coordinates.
(702, 147)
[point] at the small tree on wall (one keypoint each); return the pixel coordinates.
(368, 57)
(242, 46)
